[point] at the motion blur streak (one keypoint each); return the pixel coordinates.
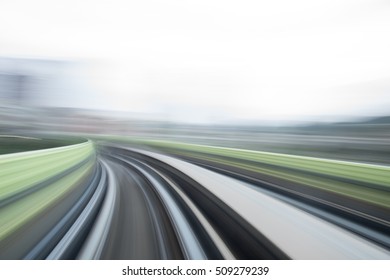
(187, 237)
(272, 220)
(68, 246)
(94, 244)
(24, 206)
(139, 203)
(206, 129)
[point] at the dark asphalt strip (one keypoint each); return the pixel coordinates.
(194, 240)
(140, 228)
(242, 238)
(204, 239)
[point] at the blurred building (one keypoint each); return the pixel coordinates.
(34, 94)
(28, 82)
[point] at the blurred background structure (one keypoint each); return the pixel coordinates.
(33, 93)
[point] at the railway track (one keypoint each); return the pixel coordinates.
(138, 204)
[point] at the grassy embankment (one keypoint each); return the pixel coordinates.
(366, 182)
(21, 171)
(16, 143)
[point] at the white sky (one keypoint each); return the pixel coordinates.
(210, 60)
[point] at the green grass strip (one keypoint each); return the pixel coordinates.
(21, 171)
(377, 197)
(369, 173)
(15, 215)
(356, 172)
